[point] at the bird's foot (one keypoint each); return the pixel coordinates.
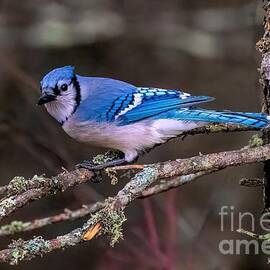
(90, 165)
(102, 161)
(109, 159)
(86, 164)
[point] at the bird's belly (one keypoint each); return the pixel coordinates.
(129, 139)
(110, 135)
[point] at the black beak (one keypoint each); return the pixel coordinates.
(45, 98)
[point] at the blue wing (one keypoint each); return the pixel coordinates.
(149, 102)
(111, 100)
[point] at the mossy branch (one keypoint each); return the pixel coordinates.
(18, 226)
(107, 217)
(21, 191)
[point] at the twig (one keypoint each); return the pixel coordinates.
(111, 216)
(215, 161)
(166, 185)
(261, 237)
(166, 169)
(20, 226)
(251, 182)
(24, 191)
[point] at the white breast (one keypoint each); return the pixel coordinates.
(130, 139)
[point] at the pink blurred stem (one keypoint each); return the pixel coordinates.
(171, 230)
(152, 230)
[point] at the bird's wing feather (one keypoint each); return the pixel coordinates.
(105, 98)
(115, 101)
(149, 102)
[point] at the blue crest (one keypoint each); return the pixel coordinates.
(51, 78)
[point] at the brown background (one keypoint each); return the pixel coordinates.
(206, 47)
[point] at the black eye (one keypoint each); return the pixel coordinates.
(64, 87)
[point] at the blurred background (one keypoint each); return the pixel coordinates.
(204, 47)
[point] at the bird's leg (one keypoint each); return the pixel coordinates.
(109, 159)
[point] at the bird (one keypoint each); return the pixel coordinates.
(114, 114)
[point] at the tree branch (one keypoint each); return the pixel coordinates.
(22, 191)
(67, 215)
(263, 45)
(109, 218)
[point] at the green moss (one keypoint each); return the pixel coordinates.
(112, 174)
(41, 179)
(265, 237)
(6, 204)
(146, 176)
(106, 157)
(14, 227)
(255, 141)
(216, 128)
(16, 256)
(18, 184)
(34, 246)
(114, 226)
(111, 221)
(25, 250)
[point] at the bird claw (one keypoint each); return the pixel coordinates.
(86, 164)
(89, 165)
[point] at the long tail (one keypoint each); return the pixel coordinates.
(256, 120)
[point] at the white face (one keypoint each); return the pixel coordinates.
(61, 100)
(65, 90)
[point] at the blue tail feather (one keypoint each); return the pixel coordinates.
(255, 120)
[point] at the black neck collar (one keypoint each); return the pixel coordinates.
(76, 84)
(78, 93)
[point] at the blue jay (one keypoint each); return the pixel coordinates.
(114, 114)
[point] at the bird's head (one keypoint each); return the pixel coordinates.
(60, 92)
(58, 84)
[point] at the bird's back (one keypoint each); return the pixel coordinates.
(100, 96)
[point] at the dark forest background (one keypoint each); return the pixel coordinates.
(204, 47)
